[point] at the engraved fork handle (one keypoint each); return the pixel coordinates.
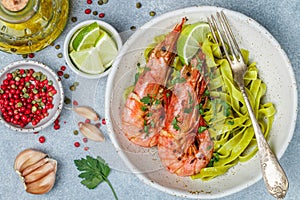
(273, 174)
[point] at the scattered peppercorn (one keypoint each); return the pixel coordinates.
(75, 103)
(60, 73)
(72, 87)
(74, 19)
(67, 100)
(75, 132)
(76, 144)
(31, 55)
(63, 68)
(138, 5)
(101, 15)
(66, 76)
(95, 12)
(25, 55)
(152, 13)
(133, 28)
(42, 139)
(60, 55)
(100, 2)
(87, 11)
(89, 1)
(56, 126)
(57, 46)
(98, 125)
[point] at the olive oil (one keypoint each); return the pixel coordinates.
(27, 26)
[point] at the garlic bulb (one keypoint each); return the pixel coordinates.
(36, 170)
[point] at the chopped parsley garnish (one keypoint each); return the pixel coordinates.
(146, 100)
(144, 108)
(175, 124)
(215, 158)
(201, 129)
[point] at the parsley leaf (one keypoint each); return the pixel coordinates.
(93, 172)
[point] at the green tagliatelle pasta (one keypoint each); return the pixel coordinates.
(227, 116)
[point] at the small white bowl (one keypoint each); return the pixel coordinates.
(108, 28)
(58, 98)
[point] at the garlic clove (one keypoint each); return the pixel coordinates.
(86, 112)
(40, 172)
(27, 158)
(91, 132)
(42, 185)
(35, 166)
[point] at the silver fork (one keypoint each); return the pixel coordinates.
(273, 174)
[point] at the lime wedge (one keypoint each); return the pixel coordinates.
(107, 49)
(86, 37)
(190, 40)
(88, 60)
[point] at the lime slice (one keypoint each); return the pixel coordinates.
(107, 49)
(86, 37)
(88, 60)
(190, 39)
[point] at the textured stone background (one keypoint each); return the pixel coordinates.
(280, 17)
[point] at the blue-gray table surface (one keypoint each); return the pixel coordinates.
(280, 17)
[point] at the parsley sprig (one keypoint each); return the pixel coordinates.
(93, 172)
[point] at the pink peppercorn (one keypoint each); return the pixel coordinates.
(56, 126)
(31, 55)
(63, 68)
(87, 11)
(85, 140)
(98, 125)
(86, 148)
(42, 139)
(76, 144)
(75, 103)
(60, 73)
(89, 1)
(101, 15)
(103, 121)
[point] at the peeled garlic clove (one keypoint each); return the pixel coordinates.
(27, 158)
(91, 132)
(86, 112)
(40, 172)
(42, 185)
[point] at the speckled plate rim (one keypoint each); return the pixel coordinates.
(177, 13)
(42, 67)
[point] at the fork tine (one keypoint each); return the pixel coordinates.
(229, 35)
(212, 30)
(216, 28)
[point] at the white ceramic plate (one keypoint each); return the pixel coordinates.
(58, 98)
(274, 68)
